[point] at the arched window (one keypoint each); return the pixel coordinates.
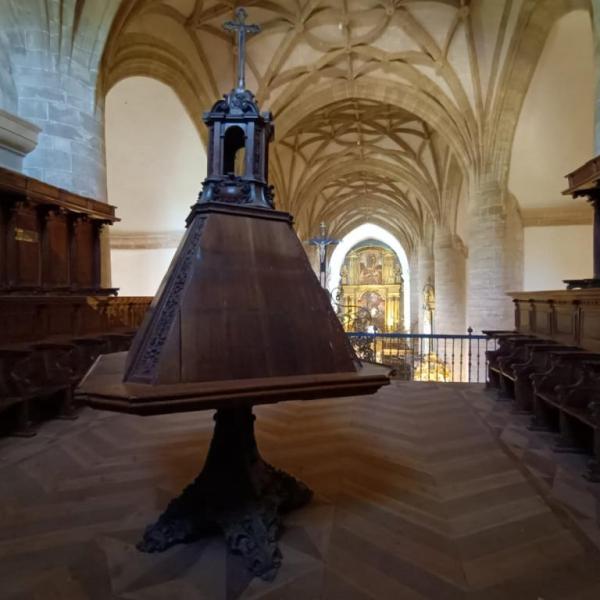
(234, 151)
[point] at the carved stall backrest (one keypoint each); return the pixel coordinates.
(48, 236)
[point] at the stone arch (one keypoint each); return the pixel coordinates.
(446, 120)
(145, 56)
(534, 25)
(359, 234)
(156, 163)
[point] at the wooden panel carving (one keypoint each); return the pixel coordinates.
(37, 317)
(564, 322)
(49, 238)
(55, 250)
(23, 247)
(590, 327)
(567, 316)
(82, 253)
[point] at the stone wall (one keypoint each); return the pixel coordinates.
(50, 78)
(425, 276)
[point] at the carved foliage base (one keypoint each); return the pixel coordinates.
(237, 493)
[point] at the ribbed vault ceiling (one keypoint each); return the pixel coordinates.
(384, 108)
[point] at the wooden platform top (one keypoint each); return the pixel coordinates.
(43, 193)
(103, 388)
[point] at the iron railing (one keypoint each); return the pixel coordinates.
(427, 357)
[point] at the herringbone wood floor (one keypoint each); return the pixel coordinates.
(415, 497)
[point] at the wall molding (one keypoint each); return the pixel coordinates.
(144, 240)
(18, 138)
(545, 217)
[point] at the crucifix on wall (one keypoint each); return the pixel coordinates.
(321, 242)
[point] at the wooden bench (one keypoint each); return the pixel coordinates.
(510, 350)
(537, 359)
(579, 415)
(43, 375)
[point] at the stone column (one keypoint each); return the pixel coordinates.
(449, 254)
(426, 276)
(8, 90)
(495, 256)
(54, 54)
(415, 294)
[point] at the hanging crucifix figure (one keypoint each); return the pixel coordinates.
(241, 29)
(321, 242)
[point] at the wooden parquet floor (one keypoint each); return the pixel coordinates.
(415, 497)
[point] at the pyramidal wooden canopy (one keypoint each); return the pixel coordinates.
(239, 319)
(240, 313)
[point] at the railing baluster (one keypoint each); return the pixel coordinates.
(445, 361)
(428, 362)
(469, 357)
(433, 356)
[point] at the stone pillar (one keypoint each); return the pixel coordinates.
(495, 256)
(54, 54)
(415, 293)
(449, 259)
(426, 276)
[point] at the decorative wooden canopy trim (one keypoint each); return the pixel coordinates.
(39, 192)
(584, 179)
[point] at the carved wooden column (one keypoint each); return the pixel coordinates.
(97, 254)
(3, 242)
(82, 252)
(54, 248)
(23, 256)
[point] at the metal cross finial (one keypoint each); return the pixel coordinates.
(241, 29)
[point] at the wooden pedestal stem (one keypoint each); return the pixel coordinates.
(238, 493)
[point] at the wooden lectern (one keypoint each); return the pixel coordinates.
(239, 319)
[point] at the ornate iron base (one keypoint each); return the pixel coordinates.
(236, 492)
(592, 472)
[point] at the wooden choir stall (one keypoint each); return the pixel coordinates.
(55, 315)
(549, 365)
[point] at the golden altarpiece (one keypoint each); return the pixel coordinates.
(371, 289)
